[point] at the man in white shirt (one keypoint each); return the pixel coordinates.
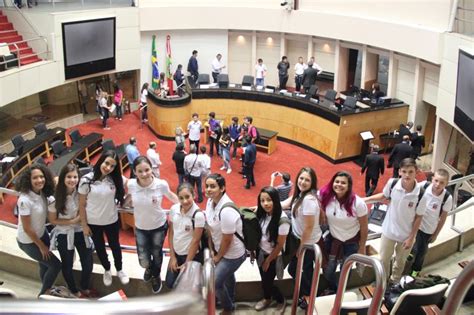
(438, 202)
(217, 67)
(193, 167)
(260, 73)
(154, 158)
(194, 130)
(299, 70)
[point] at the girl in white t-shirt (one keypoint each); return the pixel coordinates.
(305, 227)
(67, 234)
(228, 251)
(145, 193)
(98, 193)
(275, 228)
(186, 223)
(346, 215)
(35, 185)
(143, 101)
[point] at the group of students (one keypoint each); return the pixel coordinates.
(84, 208)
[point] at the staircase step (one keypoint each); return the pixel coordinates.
(3, 19)
(12, 39)
(6, 26)
(29, 60)
(7, 33)
(20, 45)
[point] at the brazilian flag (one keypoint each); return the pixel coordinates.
(155, 81)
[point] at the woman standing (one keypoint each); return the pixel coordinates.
(35, 185)
(186, 226)
(98, 192)
(275, 228)
(228, 250)
(143, 101)
(305, 227)
(146, 193)
(346, 215)
(67, 234)
(225, 143)
(118, 97)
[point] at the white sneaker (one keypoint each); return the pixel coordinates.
(229, 171)
(222, 168)
(123, 277)
(107, 278)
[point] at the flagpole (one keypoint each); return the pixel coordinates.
(169, 75)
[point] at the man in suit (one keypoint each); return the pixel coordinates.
(250, 156)
(193, 67)
(400, 151)
(309, 77)
(405, 130)
(375, 166)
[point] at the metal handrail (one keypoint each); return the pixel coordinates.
(27, 20)
(458, 291)
(17, 49)
(314, 282)
(379, 282)
(209, 288)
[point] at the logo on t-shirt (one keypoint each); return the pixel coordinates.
(154, 199)
(411, 204)
(187, 228)
(435, 206)
(112, 187)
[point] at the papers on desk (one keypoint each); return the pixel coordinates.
(214, 85)
(204, 86)
(232, 85)
(269, 90)
(246, 88)
(366, 99)
(288, 94)
(8, 159)
(301, 95)
(314, 100)
(283, 91)
(362, 105)
(259, 87)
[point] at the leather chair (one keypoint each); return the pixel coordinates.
(75, 136)
(58, 148)
(330, 95)
(247, 80)
(203, 78)
(108, 144)
(18, 143)
(223, 80)
(40, 129)
(350, 102)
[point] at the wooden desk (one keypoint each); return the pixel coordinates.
(317, 127)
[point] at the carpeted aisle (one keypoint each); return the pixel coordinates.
(287, 158)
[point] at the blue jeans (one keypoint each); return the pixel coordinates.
(225, 281)
(119, 110)
(150, 248)
(48, 269)
(180, 178)
(259, 81)
(226, 156)
(67, 258)
(330, 270)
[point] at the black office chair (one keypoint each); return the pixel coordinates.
(203, 78)
(350, 102)
(247, 80)
(40, 129)
(313, 90)
(58, 148)
(330, 95)
(223, 80)
(75, 136)
(108, 144)
(18, 143)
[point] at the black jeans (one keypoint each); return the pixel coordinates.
(420, 249)
(395, 172)
(112, 233)
(67, 258)
(144, 111)
(214, 76)
(105, 116)
(248, 171)
(270, 290)
(283, 80)
(196, 143)
(307, 276)
(370, 184)
(213, 142)
(298, 82)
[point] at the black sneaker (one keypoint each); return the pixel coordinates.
(147, 275)
(156, 285)
(302, 303)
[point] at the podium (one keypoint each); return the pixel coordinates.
(364, 150)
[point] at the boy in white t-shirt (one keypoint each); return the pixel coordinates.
(260, 73)
(194, 130)
(402, 220)
(438, 202)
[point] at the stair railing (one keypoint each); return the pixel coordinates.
(17, 50)
(458, 291)
(209, 288)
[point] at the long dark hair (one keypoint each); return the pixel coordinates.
(272, 229)
(24, 182)
(115, 175)
(313, 189)
(144, 87)
(60, 195)
(327, 193)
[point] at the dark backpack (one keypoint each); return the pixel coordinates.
(445, 198)
(204, 237)
(257, 135)
(420, 194)
(250, 227)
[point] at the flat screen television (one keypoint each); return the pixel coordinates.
(88, 46)
(464, 110)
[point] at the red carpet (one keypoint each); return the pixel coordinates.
(287, 158)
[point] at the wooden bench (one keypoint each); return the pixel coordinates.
(268, 140)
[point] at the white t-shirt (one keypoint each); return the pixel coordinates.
(189, 161)
(283, 229)
(72, 210)
(194, 128)
(398, 222)
(100, 205)
(433, 203)
(299, 68)
(154, 157)
(309, 207)
(229, 223)
(260, 71)
(342, 226)
(216, 66)
(205, 164)
(183, 231)
(147, 203)
(35, 206)
(143, 96)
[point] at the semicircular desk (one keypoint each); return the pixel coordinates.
(321, 128)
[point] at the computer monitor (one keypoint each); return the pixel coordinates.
(330, 95)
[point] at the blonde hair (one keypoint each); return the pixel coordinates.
(178, 131)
